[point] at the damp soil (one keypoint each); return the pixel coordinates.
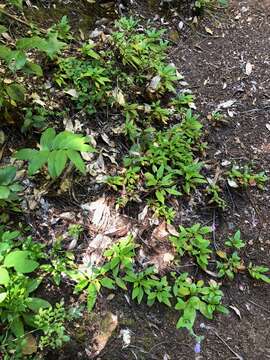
(212, 56)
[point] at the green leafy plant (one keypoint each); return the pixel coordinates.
(50, 45)
(214, 191)
(258, 272)
(245, 177)
(192, 241)
(195, 296)
(51, 321)
(56, 151)
(35, 118)
(60, 264)
(235, 241)
(230, 264)
(61, 29)
(9, 187)
(157, 113)
(17, 305)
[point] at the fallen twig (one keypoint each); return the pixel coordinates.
(13, 17)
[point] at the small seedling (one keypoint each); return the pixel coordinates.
(245, 177)
(192, 241)
(258, 272)
(230, 265)
(56, 151)
(236, 241)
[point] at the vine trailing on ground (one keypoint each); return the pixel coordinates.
(126, 76)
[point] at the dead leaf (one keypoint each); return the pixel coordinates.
(232, 183)
(226, 104)
(72, 92)
(221, 254)
(160, 233)
(107, 326)
(119, 96)
(208, 30)
(30, 346)
(236, 310)
(105, 218)
(94, 253)
(172, 230)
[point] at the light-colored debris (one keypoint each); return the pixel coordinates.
(107, 325)
(126, 337)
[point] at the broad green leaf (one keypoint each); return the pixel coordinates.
(35, 304)
(4, 276)
(51, 163)
(32, 68)
(50, 46)
(60, 161)
(76, 159)
(160, 196)
(7, 175)
(4, 52)
(91, 297)
(38, 160)
(47, 138)
(16, 60)
(10, 235)
(173, 191)
(33, 284)
(4, 192)
(16, 92)
(17, 327)
(160, 172)
(120, 283)
(107, 282)
(19, 259)
(25, 154)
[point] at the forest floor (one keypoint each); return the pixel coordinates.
(225, 59)
(215, 68)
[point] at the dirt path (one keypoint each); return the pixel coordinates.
(216, 67)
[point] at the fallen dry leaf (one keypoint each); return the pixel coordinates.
(107, 325)
(30, 346)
